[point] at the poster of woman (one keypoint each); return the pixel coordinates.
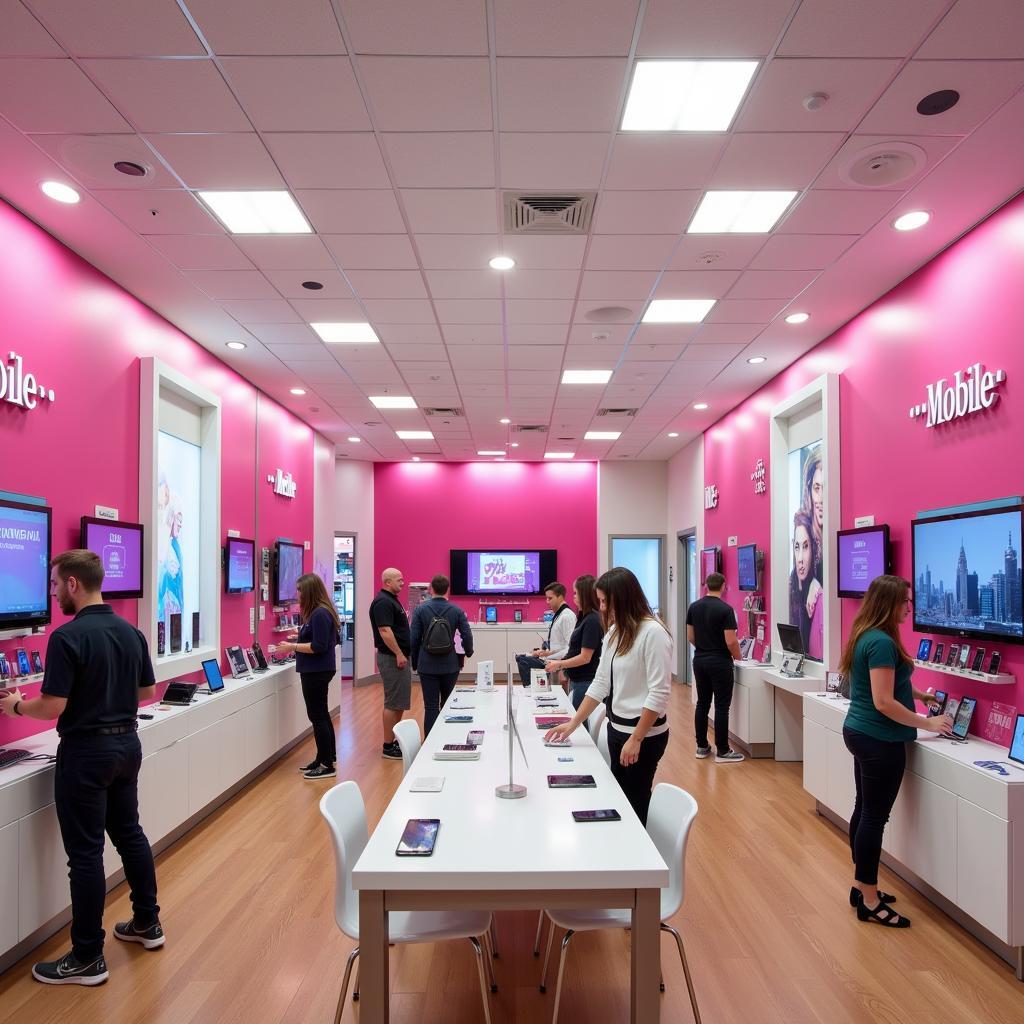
(807, 516)
(177, 515)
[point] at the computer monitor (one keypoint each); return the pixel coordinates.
(119, 546)
(1017, 741)
(288, 570)
(746, 567)
(240, 566)
(24, 564)
(789, 637)
(214, 679)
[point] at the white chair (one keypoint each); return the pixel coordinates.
(671, 814)
(602, 742)
(597, 716)
(407, 732)
(343, 809)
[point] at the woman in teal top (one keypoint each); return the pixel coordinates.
(880, 722)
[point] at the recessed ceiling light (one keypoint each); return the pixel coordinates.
(673, 434)
(501, 263)
(739, 212)
(346, 334)
(312, 286)
(686, 95)
(130, 167)
(757, 360)
(59, 191)
(602, 435)
(514, 444)
(911, 221)
(700, 406)
(490, 453)
(504, 420)
(558, 455)
(257, 213)
(393, 401)
(355, 440)
(298, 391)
(415, 435)
(415, 458)
(798, 318)
(236, 345)
(586, 376)
(677, 311)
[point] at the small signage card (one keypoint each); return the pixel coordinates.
(485, 675)
(540, 681)
(999, 724)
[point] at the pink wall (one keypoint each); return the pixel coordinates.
(422, 510)
(83, 336)
(965, 306)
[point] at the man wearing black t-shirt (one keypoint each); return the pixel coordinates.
(97, 671)
(393, 642)
(711, 628)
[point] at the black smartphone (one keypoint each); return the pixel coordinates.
(161, 638)
(175, 632)
(571, 782)
(475, 737)
(5, 669)
(261, 658)
(954, 649)
(37, 662)
(978, 660)
(939, 648)
(965, 653)
(607, 814)
(993, 665)
(419, 837)
(23, 666)
(924, 649)
(459, 746)
(964, 714)
(934, 710)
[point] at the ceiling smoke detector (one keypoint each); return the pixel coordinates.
(883, 165)
(609, 314)
(815, 101)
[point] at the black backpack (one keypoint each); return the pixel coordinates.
(438, 639)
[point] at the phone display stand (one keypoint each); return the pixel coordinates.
(792, 666)
(992, 678)
(485, 676)
(511, 790)
(540, 681)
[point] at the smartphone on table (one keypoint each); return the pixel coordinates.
(605, 814)
(419, 837)
(475, 737)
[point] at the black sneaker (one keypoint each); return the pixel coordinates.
(69, 970)
(309, 767)
(150, 938)
(392, 751)
(321, 772)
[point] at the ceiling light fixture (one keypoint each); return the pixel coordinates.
(355, 440)
(602, 435)
(739, 212)
(312, 286)
(490, 453)
(60, 192)
(236, 345)
(798, 318)
(393, 401)
(673, 434)
(586, 376)
(558, 455)
(501, 263)
(297, 391)
(686, 95)
(677, 311)
(415, 435)
(415, 458)
(757, 360)
(257, 213)
(514, 444)
(912, 221)
(346, 333)
(700, 406)
(504, 420)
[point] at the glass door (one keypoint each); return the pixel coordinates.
(687, 593)
(642, 556)
(345, 598)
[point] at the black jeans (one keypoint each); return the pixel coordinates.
(878, 767)
(314, 693)
(524, 662)
(714, 678)
(96, 789)
(637, 780)
(436, 690)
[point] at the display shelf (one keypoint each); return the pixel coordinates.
(15, 681)
(993, 679)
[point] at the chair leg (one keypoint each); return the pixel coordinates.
(489, 961)
(561, 970)
(686, 970)
(547, 958)
(662, 985)
(355, 991)
(344, 984)
(480, 973)
(540, 929)
(494, 938)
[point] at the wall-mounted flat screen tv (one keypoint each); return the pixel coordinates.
(862, 555)
(502, 570)
(967, 574)
(746, 567)
(239, 566)
(119, 546)
(288, 560)
(24, 564)
(710, 561)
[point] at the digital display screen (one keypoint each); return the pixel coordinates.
(708, 562)
(289, 569)
(964, 714)
(214, 679)
(419, 837)
(24, 564)
(746, 567)
(1017, 742)
(503, 572)
(863, 555)
(241, 566)
(119, 546)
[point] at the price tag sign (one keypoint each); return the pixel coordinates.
(999, 724)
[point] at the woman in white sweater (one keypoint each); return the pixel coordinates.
(635, 672)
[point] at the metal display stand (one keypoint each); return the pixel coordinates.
(511, 790)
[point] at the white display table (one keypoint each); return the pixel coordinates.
(788, 711)
(194, 758)
(495, 854)
(956, 831)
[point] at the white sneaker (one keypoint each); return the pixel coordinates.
(729, 757)
(703, 752)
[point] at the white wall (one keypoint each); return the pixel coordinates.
(353, 513)
(685, 504)
(631, 498)
(323, 509)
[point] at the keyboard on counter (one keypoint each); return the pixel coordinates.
(12, 756)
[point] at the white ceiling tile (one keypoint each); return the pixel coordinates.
(665, 334)
(285, 252)
(532, 378)
(416, 353)
(233, 161)
(231, 27)
(256, 311)
(472, 334)
(535, 334)
(577, 28)
(835, 211)
(691, 28)
(983, 86)
(433, 94)
(629, 252)
(582, 357)
(441, 159)
(601, 284)
(373, 377)
(23, 36)
(319, 373)
(641, 353)
(801, 252)
(119, 28)
(695, 284)
(721, 252)
(302, 353)
(775, 103)
(540, 253)
(549, 160)
(722, 353)
(480, 378)
(451, 211)
(169, 95)
(372, 252)
(539, 311)
(541, 284)
(577, 94)
(628, 395)
(328, 160)
(536, 357)
(233, 284)
(428, 373)
(388, 284)
(54, 96)
(771, 284)
(176, 211)
(644, 213)
(585, 334)
(345, 211)
(399, 311)
(774, 160)
(410, 334)
(468, 311)
(489, 357)
(645, 374)
(870, 28)
(283, 334)
(289, 284)
(744, 311)
(318, 311)
(314, 94)
(456, 252)
(464, 284)
(396, 26)
(91, 159)
(727, 334)
(863, 146)
(663, 160)
(201, 252)
(977, 28)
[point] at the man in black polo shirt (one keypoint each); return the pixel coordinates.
(711, 628)
(97, 670)
(391, 637)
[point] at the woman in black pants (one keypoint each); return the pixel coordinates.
(316, 662)
(880, 722)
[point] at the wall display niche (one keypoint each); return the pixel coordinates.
(179, 502)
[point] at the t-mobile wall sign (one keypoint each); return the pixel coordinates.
(20, 387)
(970, 391)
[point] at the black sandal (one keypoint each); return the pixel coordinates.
(883, 915)
(856, 896)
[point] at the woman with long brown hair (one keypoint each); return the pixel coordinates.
(635, 671)
(316, 662)
(584, 653)
(880, 722)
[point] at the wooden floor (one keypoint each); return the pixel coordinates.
(248, 902)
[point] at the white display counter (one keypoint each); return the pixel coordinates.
(501, 642)
(194, 758)
(752, 715)
(956, 832)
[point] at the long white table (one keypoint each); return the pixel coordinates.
(495, 854)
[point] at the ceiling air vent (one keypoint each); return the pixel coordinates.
(552, 213)
(617, 412)
(530, 428)
(443, 412)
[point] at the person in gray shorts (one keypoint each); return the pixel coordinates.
(391, 638)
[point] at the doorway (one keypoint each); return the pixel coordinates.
(345, 598)
(687, 583)
(642, 555)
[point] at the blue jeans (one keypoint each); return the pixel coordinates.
(579, 691)
(436, 690)
(524, 663)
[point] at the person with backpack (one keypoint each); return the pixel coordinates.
(434, 625)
